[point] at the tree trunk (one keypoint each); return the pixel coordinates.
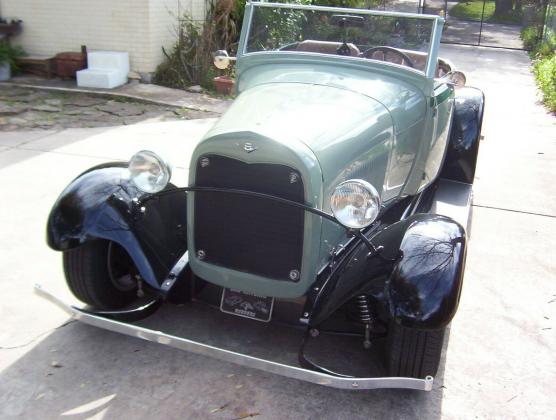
(502, 6)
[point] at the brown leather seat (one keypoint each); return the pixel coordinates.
(325, 47)
(419, 59)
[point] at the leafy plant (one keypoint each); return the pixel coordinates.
(545, 74)
(530, 37)
(9, 53)
(190, 61)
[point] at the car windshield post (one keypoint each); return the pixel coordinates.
(426, 28)
(435, 42)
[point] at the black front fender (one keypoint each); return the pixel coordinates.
(417, 277)
(423, 290)
(101, 203)
(465, 136)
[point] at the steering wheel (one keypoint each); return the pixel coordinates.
(388, 51)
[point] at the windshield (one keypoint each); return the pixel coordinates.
(397, 39)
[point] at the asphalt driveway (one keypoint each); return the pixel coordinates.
(500, 360)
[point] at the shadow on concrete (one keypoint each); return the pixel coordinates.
(117, 376)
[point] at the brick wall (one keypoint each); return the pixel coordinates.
(140, 27)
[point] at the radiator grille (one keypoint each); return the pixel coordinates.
(249, 234)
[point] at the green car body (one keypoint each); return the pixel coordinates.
(332, 118)
(332, 196)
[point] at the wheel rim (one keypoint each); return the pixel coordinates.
(121, 269)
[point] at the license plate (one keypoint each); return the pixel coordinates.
(247, 305)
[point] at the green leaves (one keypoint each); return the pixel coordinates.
(545, 73)
(9, 53)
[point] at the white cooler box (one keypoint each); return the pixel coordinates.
(106, 69)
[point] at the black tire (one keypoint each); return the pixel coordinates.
(414, 353)
(89, 278)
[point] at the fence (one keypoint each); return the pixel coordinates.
(549, 30)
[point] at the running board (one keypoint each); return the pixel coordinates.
(237, 358)
(453, 199)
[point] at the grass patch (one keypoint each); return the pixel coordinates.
(59, 95)
(473, 10)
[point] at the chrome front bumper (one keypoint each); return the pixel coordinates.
(237, 358)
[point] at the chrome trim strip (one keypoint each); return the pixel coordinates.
(237, 358)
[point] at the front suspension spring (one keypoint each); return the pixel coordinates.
(366, 317)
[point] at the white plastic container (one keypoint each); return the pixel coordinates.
(5, 72)
(106, 69)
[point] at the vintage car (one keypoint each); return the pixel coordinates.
(333, 195)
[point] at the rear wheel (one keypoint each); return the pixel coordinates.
(101, 274)
(414, 353)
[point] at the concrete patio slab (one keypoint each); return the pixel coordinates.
(12, 139)
(518, 152)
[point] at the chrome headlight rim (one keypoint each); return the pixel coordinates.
(372, 201)
(139, 176)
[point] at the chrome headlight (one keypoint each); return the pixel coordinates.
(149, 172)
(355, 203)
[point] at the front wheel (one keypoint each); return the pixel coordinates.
(101, 274)
(414, 353)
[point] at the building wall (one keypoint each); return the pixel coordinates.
(140, 27)
(163, 16)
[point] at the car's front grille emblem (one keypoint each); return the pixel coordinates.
(294, 275)
(249, 147)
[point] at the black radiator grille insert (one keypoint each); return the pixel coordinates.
(249, 234)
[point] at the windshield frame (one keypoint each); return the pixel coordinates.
(432, 57)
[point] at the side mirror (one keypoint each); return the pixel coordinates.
(455, 78)
(222, 59)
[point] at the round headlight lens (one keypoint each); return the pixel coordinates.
(355, 203)
(149, 172)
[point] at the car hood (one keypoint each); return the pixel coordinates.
(348, 133)
(405, 101)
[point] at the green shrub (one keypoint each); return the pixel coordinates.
(190, 60)
(545, 74)
(530, 37)
(542, 50)
(9, 53)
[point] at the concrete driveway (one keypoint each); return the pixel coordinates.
(500, 360)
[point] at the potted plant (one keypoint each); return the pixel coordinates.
(223, 85)
(8, 54)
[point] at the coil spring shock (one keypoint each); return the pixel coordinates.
(365, 317)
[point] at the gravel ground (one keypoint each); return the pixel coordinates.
(24, 109)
